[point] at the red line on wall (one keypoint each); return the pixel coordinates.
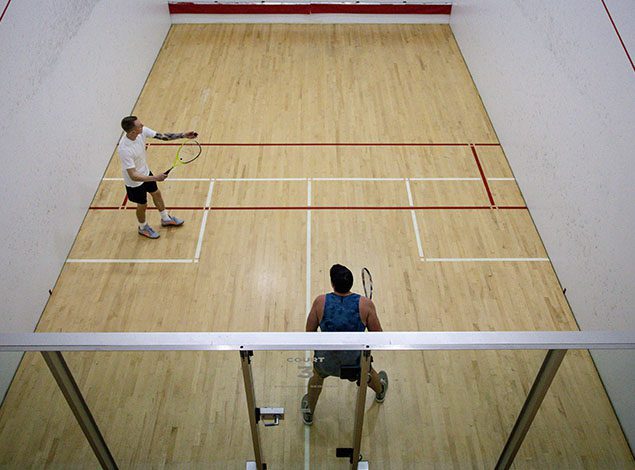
(5, 10)
(480, 169)
(304, 208)
(326, 144)
(618, 35)
(305, 9)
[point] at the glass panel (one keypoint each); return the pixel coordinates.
(154, 409)
(445, 409)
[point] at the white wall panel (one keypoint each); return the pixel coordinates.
(560, 91)
(70, 70)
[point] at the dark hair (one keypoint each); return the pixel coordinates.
(341, 278)
(127, 123)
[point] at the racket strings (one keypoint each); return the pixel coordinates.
(189, 151)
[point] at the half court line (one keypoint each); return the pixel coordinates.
(414, 220)
(307, 354)
(208, 202)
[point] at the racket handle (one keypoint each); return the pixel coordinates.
(168, 172)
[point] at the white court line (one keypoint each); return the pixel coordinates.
(468, 260)
(414, 220)
(358, 179)
(307, 354)
(208, 202)
(169, 179)
(446, 179)
(128, 260)
(261, 179)
(462, 179)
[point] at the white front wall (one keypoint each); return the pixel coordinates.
(560, 91)
(69, 71)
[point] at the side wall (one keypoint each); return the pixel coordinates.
(70, 70)
(560, 91)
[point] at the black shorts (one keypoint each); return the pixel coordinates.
(139, 194)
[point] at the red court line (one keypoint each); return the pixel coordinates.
(480, 169)
(306, 208)
(618, 35)
(5, 10)
(125, 201)
(305, 9)
(327, 144)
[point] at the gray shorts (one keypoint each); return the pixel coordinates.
(329, 363)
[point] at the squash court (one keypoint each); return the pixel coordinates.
(366, 145)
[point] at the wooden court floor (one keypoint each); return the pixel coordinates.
(443, 228)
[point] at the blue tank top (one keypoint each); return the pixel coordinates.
(341, 313)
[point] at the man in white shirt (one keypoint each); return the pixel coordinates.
(138, 178)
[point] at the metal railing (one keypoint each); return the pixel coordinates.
(51, 345)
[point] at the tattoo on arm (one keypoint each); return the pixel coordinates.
(169, 136)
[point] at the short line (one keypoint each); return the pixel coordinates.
(123, 260)
(201, 233)
(334, 208)
(480, 169)
(414, 220)
(325, 179)
(329, 144)
(460, 260)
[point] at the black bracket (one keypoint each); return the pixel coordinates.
(346, 453)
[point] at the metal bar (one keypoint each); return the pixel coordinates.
(251, 406)
(530, 408)
(360, 408)
(300, 341)
(64, 378)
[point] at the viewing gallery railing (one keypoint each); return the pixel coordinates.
(51, 345)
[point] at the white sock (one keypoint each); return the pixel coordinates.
(142, 225)
(164, 215)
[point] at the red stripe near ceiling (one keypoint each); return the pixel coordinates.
(306, 9)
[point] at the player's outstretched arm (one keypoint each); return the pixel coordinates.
(175, 135)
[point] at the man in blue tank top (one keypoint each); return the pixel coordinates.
(341, 310)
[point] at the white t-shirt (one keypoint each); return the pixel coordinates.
(133, 155)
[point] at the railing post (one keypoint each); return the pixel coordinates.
(536, 395)
(360, 406)
(245, 358)
(65, 381)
